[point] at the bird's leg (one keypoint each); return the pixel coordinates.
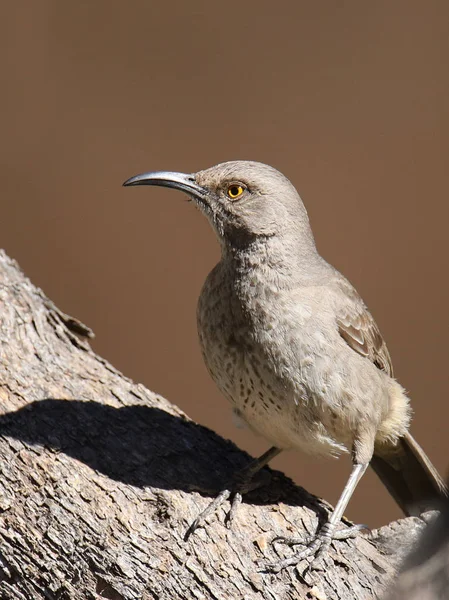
(242, 482)
(317, 545)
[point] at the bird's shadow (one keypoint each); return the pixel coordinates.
(143, 446)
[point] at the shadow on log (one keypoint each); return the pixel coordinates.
(100, 479)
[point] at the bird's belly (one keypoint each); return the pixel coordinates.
(288, 421)
(281, 411)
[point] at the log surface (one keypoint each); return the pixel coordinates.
(100, 479)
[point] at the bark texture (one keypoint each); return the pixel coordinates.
(425, 573)
(100, 479)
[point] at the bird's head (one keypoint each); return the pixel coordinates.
(243, 200)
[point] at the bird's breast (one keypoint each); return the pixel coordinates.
(254, 355)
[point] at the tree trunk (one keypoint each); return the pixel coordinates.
(100, 481)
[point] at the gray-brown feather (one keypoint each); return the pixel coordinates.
(289, 341)
(359, 330)
(404, 468)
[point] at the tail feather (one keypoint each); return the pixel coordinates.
(410, 477)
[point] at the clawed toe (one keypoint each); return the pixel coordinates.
(293, 541)
(212, 508)
(235, 503)
(316, 546)
(350, 532)
(207, 512)
(314, 550)
(244, 481)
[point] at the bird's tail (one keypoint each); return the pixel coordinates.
(410, 477)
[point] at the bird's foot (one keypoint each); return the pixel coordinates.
(315, 546)
(243, 483)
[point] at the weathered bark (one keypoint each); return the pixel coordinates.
(98, 480)
(425, 573)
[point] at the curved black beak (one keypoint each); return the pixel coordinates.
(180, 181)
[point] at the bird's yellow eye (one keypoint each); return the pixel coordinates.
(234, 191)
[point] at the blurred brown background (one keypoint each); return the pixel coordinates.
(348, 99)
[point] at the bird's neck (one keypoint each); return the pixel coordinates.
(288, 262)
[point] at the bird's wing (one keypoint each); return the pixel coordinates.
(359, 330)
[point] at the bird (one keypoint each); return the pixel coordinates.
(292, 346)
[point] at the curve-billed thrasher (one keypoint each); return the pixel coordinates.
(291, 344)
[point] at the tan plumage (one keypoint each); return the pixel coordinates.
(291, 344)
(404, 468)
(359, 330)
